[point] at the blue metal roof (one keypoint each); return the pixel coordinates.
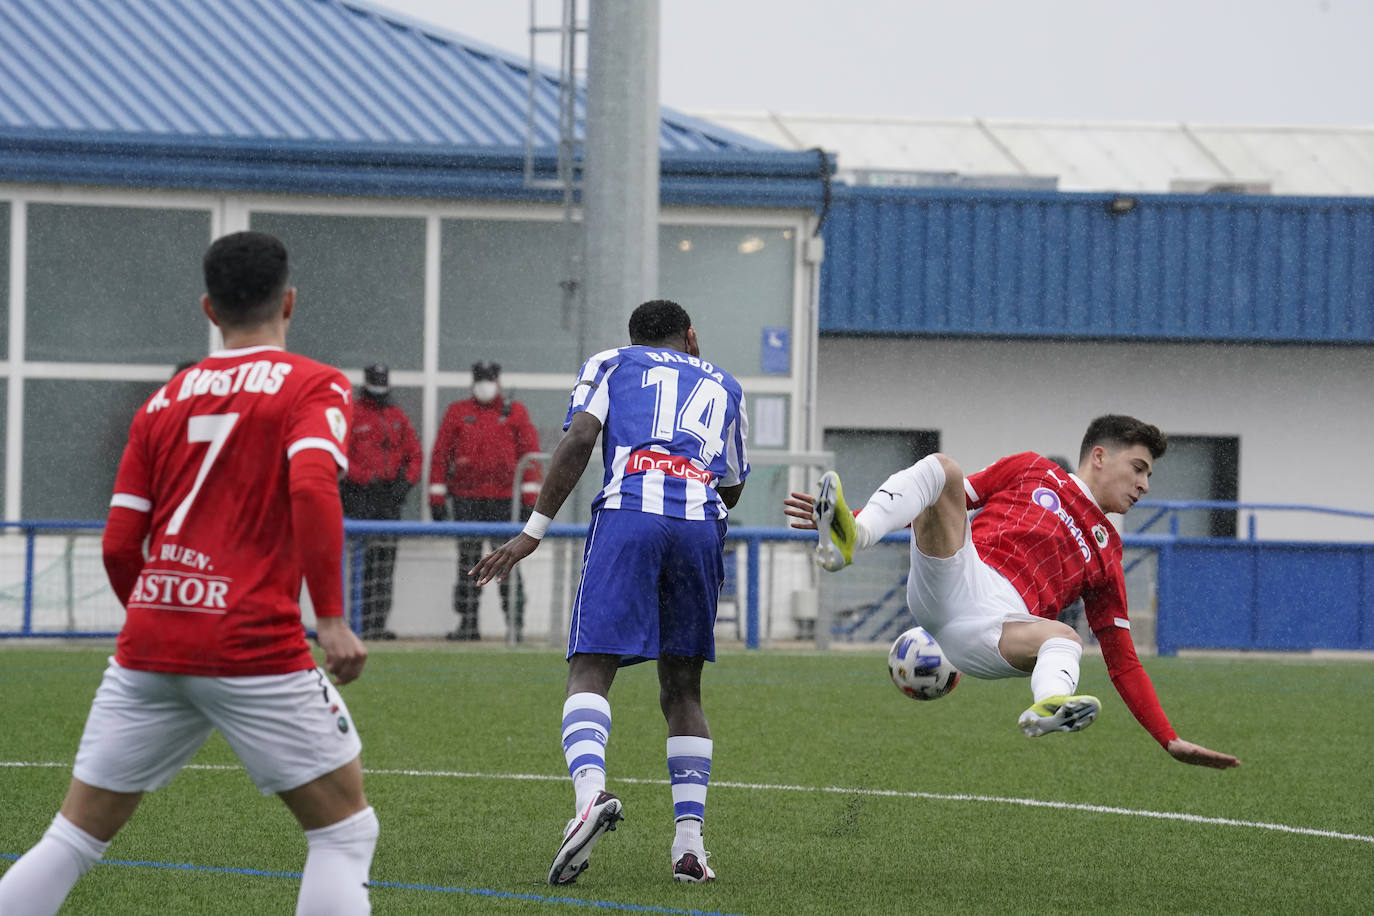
(315, 96)
(1054, 265)
(339, 71)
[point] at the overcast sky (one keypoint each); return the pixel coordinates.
(1232, 61)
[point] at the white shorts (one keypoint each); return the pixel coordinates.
(963, 602)
(145, 726)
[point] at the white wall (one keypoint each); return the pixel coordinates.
(1304, 415)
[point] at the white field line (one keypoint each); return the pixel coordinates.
(836, 790)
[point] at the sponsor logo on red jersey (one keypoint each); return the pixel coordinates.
(1048, 500)
(645, 459)
(176, 591)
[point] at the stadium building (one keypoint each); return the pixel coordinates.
(929, 297)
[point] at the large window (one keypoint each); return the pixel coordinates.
(500, 297)
(734, 281)
(1197, 468)
(360, 284)
(112, 291)
(74, 434)
(115, 284)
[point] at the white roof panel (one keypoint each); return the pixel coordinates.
(1086, 156)
(884, 143)
(1124, 157)
(1297, 160)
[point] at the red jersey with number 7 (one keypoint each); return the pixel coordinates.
(209, 459)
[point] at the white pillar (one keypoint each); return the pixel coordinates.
(620, 173)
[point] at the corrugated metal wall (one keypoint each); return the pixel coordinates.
(1006, 264)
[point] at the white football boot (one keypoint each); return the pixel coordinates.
(582, 833)
(690, 866)
(1059, 714)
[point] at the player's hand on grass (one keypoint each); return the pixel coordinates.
(498, 564)
(1197, 755)
(801, 508)
(344, 652)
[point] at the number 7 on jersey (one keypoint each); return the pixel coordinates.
(213, 428)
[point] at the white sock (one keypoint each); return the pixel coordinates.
(687, 836)
(334, 882)
(902, 497)
(38, 883)
(586, 730)
(1056, 668)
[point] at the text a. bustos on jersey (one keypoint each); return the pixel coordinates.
(258, 377)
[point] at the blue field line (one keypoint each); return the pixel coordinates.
(406, 886)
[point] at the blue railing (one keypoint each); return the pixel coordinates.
(1171, 511)
(752, 536)
(31, 530)
(1211, 592)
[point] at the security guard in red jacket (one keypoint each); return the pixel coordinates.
(383, 464)
(475, 454)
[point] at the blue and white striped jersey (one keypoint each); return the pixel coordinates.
(672, 430)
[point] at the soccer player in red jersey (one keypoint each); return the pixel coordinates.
(989, 587)
(231, 475)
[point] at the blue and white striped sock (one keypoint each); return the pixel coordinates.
(689, 770)
(586, 729)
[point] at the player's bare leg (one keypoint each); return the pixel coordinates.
(586, 731)
(341, 832)
(689, 764)
(1021, 642)
(97, 811)
(40, 880)
(592, 673)
(1050, 651)
(679, 695)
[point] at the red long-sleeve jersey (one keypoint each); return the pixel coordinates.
(1041, 528)
(230, 471)
(477, 449)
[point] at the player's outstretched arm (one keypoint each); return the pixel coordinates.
(344, 652)
(801, 508)
(1131, 681)
(1197, 755)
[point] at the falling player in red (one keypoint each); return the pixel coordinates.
(990, 586)
(230, 474)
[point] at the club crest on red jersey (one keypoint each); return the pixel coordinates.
(337, 424)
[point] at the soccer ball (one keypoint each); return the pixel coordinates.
(918, 666)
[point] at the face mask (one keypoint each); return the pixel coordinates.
(484, 392)
(376, 391)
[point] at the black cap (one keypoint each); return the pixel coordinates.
(377, 375)
(487, 371)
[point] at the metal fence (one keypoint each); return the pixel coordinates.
(1185, 592)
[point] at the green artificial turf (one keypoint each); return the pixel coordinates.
(830, 793)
